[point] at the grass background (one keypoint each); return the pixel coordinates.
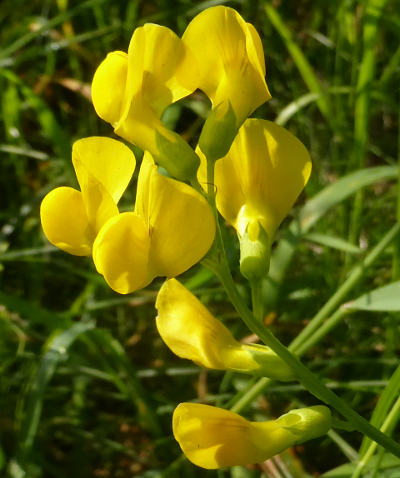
(87, 388)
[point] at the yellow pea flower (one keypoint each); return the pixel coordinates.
(131, 91)
(212, 437)
(258, 181)
(231, 61)
(71, 219)
(191, 332)
(171, 229)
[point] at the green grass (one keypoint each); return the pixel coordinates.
(87, 387)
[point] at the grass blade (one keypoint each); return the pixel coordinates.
(304, 67)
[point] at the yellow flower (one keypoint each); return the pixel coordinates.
(259, 180)
(71, 219)
(231, 61)
(170, 230)
(212, 437)
(191, 332)
(132, 90)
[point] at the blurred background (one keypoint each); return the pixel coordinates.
(87, 387)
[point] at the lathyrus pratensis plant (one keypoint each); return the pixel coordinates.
(251, 171)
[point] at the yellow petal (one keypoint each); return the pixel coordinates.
(132, 90)
(109, 161)
(120, 253)
(65, 223)
(212, 437)
(161, 69)
(229, 54)
(104, 168)
(261, 177)
(180, 221)
(191, 332)
(108, 86)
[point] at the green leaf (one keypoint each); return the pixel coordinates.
(55, 350)
(340, 190)
(333, 242)
(386, 298)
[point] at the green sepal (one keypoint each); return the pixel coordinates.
(218, 132)
(270, 364)
(255, 253)
(175, 155)
(307, 423)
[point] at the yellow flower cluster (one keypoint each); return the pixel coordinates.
(260, 169)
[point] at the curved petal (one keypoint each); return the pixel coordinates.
(189, 329)
(121, 251)
(181, 223)
(262, 175)
(65, 223)
(108, 86)
(161, 69)
(109, 161)
(229, 54)
(104, 168)
(212, 437)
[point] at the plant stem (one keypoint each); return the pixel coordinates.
(318, 326)
(304, 375)
(256, 300)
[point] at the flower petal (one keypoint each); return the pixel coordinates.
(104, 168)
(212, 437)
(261, 177)
(229, 54)
(108, 86)
(181, 223)
(191, 332)
(109, 161)
(161, 69)
(121, 251)
(189, 329)
(65, 223)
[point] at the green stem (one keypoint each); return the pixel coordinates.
(256, 300)
(319, 326)
(305, 376)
